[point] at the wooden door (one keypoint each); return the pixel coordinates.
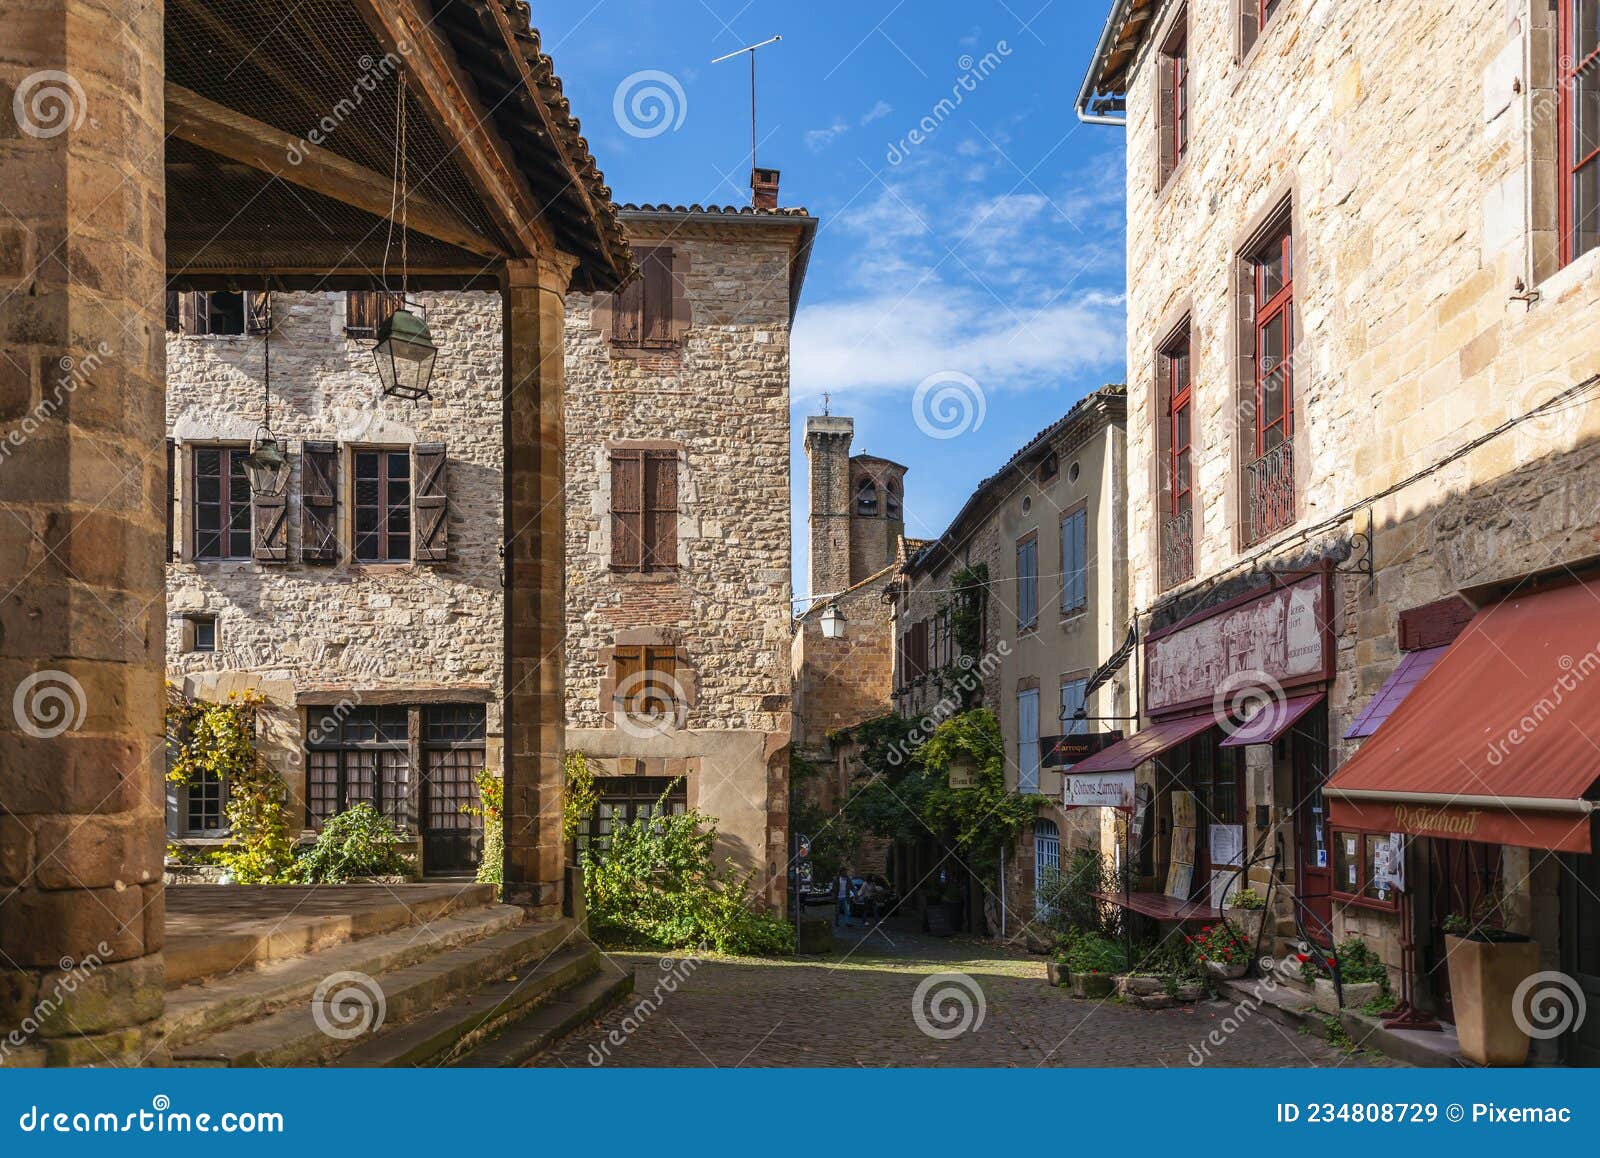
(1580, 949)
(1308, 744)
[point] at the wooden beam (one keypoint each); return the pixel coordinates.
(228, 133)
(450, 100)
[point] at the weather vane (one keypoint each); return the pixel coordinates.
(751, 49)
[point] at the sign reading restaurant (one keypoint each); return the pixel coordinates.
(1282, 635)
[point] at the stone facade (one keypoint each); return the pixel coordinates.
(1412, 156)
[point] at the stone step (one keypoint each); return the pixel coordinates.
(450, 1032)
(214, 930)
(217, 1004)
(292, 1036)
(526, 1038)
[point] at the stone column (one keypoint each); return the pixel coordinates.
(82, 480)
(534, 297)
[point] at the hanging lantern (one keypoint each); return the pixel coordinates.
(405, 354)
(267, 465)
(833, 622)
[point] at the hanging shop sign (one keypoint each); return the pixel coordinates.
(1280, 639)
(1065, 751)
(1100, 790)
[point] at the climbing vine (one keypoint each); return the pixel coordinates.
(581, 796)
(491, 808)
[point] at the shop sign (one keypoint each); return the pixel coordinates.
(963, 773)
(1065, 751)
(1282, 636)
(1100, 790)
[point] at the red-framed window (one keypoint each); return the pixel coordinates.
(1180, 425)
(1273, 270)
(1265, 10)
(1578, 84)
(383, 506)
(1178, 62)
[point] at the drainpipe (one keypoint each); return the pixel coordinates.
(1002, 890)
(1086, 90)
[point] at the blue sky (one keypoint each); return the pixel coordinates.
(985, 261)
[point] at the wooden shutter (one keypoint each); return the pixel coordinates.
(656, 265)
(1249, 24)
(682, 314)
(366, 310)
(193, 309)
(626, 665)
(627, 314)
(319, 501)
(269, 524)
(627, 510)
(1166, 73)
(172, 462)
(660, 517)
(432, 502)
(257, 313)
(174, 311)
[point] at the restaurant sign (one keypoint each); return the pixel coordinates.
(1281, 636)
(1065, 751)
(1099, 790)
(1557, 831)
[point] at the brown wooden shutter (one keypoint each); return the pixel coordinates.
(432, 502)
(319, 502)
(682, 313)
(269, 523)
(172, 462)
(627, 510)
(661, 515)
(658, 289)
(366, 310)
(626, 665)
(1249, 24)
(1166, 146)
(174, 311)
(627, 313)
(257, 313)
(192, 311)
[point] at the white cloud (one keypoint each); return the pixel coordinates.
(819, 139)
(877, 112)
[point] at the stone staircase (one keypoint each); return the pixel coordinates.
(472, 982)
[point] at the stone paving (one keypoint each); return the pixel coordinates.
(855, 1008)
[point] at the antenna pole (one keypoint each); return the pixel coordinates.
(751, 49)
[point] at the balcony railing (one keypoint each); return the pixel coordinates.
(1270, 491)
(1177, 549)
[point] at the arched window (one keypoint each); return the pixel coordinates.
(866, 497)
(891, 501)
(1046, 862)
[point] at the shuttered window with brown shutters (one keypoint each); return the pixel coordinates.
(651, 312)
(432, 503)
(270, 542)
(222, 313)
(220, 494)
(319, 501)
(645, 681)
(366, 310)
(644, 510)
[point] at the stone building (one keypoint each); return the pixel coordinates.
(374, 630)
(1040, 545)
(1362, 346)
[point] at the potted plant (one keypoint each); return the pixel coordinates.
(1247, 912)
(1056, 969)
(1362, 977)
(1222, 950)
(1087, 961)
(1487, 962)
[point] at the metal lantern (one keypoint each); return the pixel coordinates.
(267, 465)
(405, 354)
(833, 622)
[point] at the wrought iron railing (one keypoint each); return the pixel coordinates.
(1177, 549)
(1270, 491)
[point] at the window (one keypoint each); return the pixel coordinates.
(1253, 17)
(1578, 84)
(644, 509)
(867, 498)
(1361, 867)
(358, 756)
(891, 499)
(1028, 582)
(1028, 740)
(1074, 561)
(1270, 473)
(650, 312)
(1046, 861)
(1172, 120)
(366, 310)
(382, 506)
(204, 799)
(645, 686)
(1074, 693)
(916, 656)
(1177, 546)
(217, 313)
(1049, 467)
(221, 503)
(625, 800)
(452, 760)
(202, 633)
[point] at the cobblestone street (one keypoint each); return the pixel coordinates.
(856, 1009)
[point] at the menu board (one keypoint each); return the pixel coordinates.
(1180, 874)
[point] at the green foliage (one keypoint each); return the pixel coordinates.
(1219, 943)
(1359, 964)
(491, 807)
(359, 842)
(658, 886)
(219, 740)
(978, 821)
(836, 838)
(1063, 896)
(1087, 952)
(581, 795)
(1379, 1005)
(1247, 899)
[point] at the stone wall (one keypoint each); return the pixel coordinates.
(843, 682)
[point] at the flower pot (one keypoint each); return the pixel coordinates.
(1356, 994)
(1055, 972)
(1483, 976)
(1248, 922)
(1140, 985)
(1093, 986)
(1229, 970)
(1189, 992)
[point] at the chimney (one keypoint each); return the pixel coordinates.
(764, 188)
(828, 449)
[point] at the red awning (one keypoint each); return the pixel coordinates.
(1500, 741)
(1146, 745)
(1406, 675)
(1272, 721)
